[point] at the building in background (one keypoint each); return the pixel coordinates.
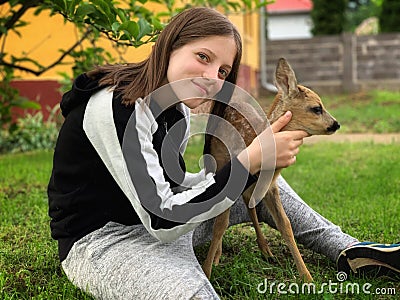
(289, 19)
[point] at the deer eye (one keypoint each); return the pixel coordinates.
(317, 110)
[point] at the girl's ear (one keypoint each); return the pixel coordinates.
(285, 79)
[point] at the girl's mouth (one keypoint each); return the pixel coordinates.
(201, 87)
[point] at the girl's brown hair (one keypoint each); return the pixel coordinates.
(136, 80)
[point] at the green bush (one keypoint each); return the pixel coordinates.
(31, 133)
(328, 17)
(389, 20)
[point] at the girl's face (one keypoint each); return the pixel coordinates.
(204, 64)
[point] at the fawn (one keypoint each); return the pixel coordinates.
(308, 114)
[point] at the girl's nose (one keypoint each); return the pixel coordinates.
(210, 73)
(212, 81)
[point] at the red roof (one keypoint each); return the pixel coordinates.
(285, 6)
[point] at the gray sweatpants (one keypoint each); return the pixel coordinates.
(126, 262)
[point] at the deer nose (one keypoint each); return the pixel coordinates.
(335, 126)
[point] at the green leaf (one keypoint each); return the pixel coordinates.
(115, 27)
(122, 15)
(84, 10)
(13, 3)
(125, 37)
(105, 8)
(100, 19)
(27, 104)
(144, 29)
(71, 6)
(156, 23)
(131, 28)
(59, 5)
(3, 30)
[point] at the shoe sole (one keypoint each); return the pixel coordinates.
(365, 259)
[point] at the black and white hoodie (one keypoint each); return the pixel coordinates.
(117, 163)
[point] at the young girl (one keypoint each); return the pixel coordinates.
(125, 226)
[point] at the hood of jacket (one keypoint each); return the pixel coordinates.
(82, 89)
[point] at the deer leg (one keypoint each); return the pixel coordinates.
(261, 241)
(282, 222)
(214, 252)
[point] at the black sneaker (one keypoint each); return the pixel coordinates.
(369, 258)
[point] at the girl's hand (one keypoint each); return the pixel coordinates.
(258, 155)
(287, 142)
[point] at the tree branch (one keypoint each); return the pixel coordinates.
(18, 14)
(55, 63)
(21, 68)
(68, 51)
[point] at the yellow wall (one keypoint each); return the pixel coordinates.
(45, 35)
(248, 25)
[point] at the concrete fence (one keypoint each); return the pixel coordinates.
(339, 63)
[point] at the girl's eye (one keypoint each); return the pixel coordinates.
(202, 56)
(223, 73)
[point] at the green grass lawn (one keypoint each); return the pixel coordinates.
(357, 186)
(375, 111)
(29, 266)
(359, 191)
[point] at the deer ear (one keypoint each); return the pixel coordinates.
(285, 79)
